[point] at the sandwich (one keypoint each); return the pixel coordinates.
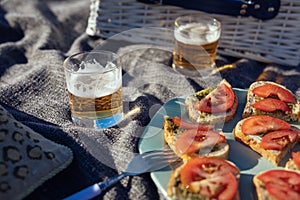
(294, 162)
(271, 137)
(273, 99)
(191, 139)
(204, 178)
(277, 184)
(213, 105)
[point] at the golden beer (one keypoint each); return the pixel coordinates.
(94, 84)
(196, 42)
(96, 108)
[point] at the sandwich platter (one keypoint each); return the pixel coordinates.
(249, 162)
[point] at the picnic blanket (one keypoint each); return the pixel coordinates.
(35, 38)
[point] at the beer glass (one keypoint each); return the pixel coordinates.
(94, 84)
(196, 41)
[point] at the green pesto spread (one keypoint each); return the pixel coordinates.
(200, 95)
(172, 125)
(204, 115)
(183, 192)
(203, 93)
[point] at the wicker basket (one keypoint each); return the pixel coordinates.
(271, 41)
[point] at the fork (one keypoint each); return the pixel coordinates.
(142, 163)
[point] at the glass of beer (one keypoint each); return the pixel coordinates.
(196, 41)
(94, 84)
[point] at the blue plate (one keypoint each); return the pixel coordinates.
(248, 161)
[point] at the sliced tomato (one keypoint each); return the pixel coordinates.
(282, 184)
(277, 140)
(193, 140)
(190, 125)
(271, 89)
(219, 100)
(271, 105)
(219, 187)
(281, 177)
(214, 177)
(205, 167)
(296, 158)
(282, 192)
(262, 124)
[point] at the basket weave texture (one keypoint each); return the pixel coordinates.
(271, 41)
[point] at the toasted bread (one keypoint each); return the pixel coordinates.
(260, 186)
(291, 164)
(176, 189)
(172, 132)
(206, 117)
(254, 142)
(249, 110)
(261, 192)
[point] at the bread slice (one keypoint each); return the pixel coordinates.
(254, 141)
(261, 192)
(176, 189)
(205, 117)
(249, 110)
(260, 186)
(290, 164)
(172, 132)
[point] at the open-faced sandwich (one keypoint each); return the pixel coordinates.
(271, 137)
(277, 184)
(270, 98)
(190, 139)
(205, 178)
(294, 162)
(213, 105)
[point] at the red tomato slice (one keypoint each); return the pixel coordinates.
(277, 140)
(219, 100)
(270, 89)
(271, 105)
(190, 125)
(281, 192)
(219, 187)
(193, 140)
(296, 158)
(262, 124)
(282, 184)
(212, 171)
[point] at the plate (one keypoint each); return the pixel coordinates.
(248, 161)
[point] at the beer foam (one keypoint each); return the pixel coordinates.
(196, 33)
(96, 84)
(90, 66)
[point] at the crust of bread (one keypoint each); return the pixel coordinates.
(175, 192)
(291, 165)
(172, 190)
(216, 118)
(171, 135)
(261, 192)
(252, 98)
(253, 142)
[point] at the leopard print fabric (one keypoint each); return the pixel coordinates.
(27, 159)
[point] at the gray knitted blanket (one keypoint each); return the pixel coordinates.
(35, 38)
